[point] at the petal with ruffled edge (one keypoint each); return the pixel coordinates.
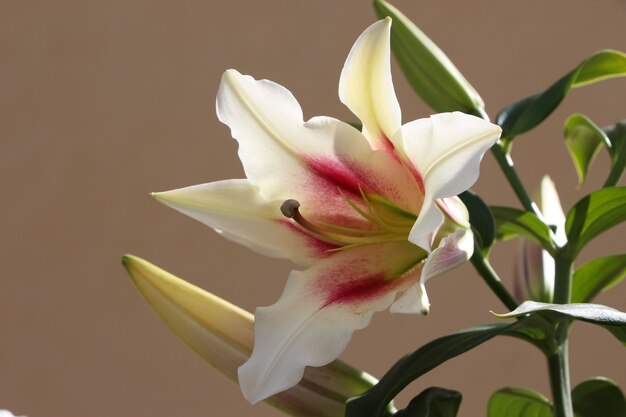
(453, 250)
(446, 150)
(366, 86)
(320, 308)
(235, 209)
(315, 162)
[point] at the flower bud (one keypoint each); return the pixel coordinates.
(427, 69)
(223, 334)
(534, 267)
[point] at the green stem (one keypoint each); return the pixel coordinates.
(507, 166)
(614, 176)
(560, 382)
(558, 362)
(492, 279)
(563, 277)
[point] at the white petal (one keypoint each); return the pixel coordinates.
(452, 251)
(313, 162)
(412, 301)
(320, 308)
(366, 86)
(222, 334)
(446, 150)
(550, 207)
(235, 209)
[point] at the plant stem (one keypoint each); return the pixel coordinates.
(562, 277)
(507, 166)
(560, 382)
(492, 279)
(558, 362)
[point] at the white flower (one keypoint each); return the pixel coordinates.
(368, 216)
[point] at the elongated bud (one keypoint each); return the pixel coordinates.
(223, 334)
(534, 268)
(429, 71)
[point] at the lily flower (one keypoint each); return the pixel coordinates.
(223, 334)
(534, 272)
(367, 216)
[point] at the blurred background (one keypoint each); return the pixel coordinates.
(103, 102)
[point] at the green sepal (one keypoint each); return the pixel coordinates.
(596, 276)
(433, 402)
(427, 69)
(527, 113)
(598, 397)
(583, 140)
(512, 222)
(518, 402)
(481, 219)
(594, 214)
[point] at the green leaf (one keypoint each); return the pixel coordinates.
(583, 140)
(536, 330)
(592, 313)
(611, 319)
(481, 219)
(596, 276)
(373, 402)
(527, 113)
(618, 332)
(518, 402)
(427, 69)
(433, 402)
(511, 222)
(617, 136)
(597, 212)
(598, 397)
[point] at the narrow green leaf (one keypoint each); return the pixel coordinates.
(428, 70)
(583, 140)
(598, 397)
(592, 313)
(481, 219)
(433, 402)
(618, 332)
(518, 402)
(611, 319)
(416, 364)
(617, 135)
(511, 222)
(596, 276)
(594, 214)
(536, 330)
(527, 113)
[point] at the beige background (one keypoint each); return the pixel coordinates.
(102, 102)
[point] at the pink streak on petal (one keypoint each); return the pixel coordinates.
(318, 248)
(359, 291)
(351, 283)
(335, 174)
(391, 150)
(388, 146)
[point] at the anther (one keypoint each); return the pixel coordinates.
(290, 208)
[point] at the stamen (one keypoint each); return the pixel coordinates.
(348, 237)
(289, 208)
